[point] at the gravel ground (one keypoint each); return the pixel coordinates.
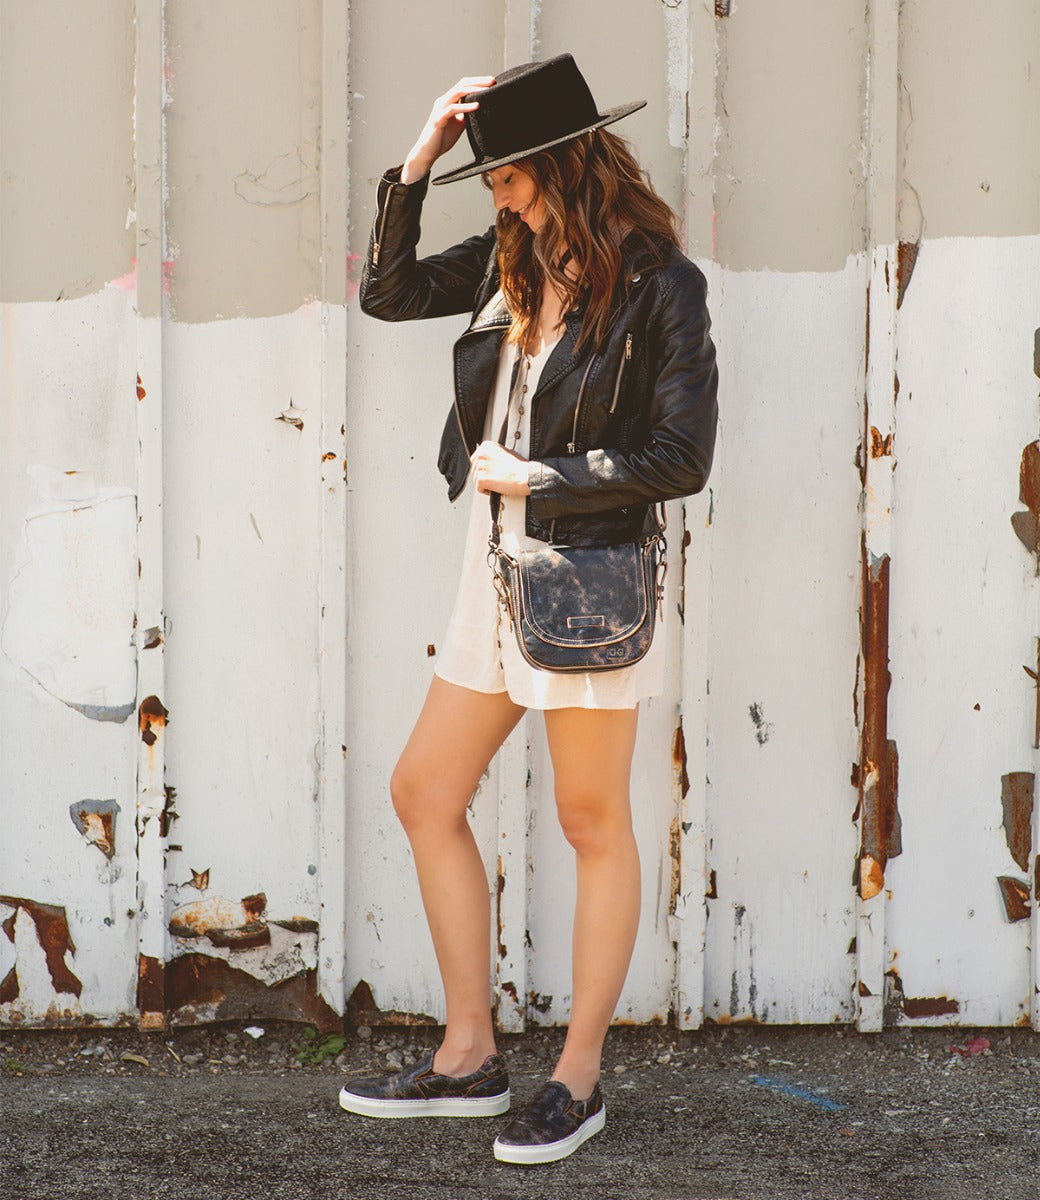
(776, 1113)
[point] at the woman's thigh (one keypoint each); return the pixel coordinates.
(456, 735)
(591, 751)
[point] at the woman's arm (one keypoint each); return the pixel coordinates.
(677, 455)
(395, 285)
(398, 286)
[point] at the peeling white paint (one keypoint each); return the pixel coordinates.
(36, 993)
(70, 610)
(217, 912)
(289, 954)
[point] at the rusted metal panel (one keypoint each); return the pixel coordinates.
(1015, 894)
(916, 1007)
(906, 260)
(96, 821)
(201, 989)
(878, 770)
(887, 274)
(1027, 524)
(52, 932)
(1016, 800)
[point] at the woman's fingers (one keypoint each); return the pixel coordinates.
(444, 126)
(451, 104)
(458, 111)
(496, 469)
(469, 83)
(464, 87)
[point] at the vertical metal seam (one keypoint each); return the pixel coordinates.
(881, 136)
(512, 959)
(520, 32)
(150, 185)
(512, 955)
(690, 919)
(331, 613)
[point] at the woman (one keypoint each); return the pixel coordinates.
(584, 394)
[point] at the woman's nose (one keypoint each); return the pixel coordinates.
(499, 198)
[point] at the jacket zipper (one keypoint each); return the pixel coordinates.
(626, 357)
(577, 407)
(581, 391)
(381, 228)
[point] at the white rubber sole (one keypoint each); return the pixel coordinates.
(555, 1150)
(476, 1106)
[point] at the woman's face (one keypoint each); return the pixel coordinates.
(512, 188)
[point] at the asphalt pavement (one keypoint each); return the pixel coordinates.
(726, 1113)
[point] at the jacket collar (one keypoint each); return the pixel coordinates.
(639, 255)
(494, 315)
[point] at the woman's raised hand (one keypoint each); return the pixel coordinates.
(443, 127)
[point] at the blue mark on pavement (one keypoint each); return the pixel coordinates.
(789, 1089)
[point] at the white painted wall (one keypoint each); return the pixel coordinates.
(168, 528)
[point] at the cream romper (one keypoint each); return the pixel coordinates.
(479, 649)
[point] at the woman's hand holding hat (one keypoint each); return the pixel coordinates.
(444, 127)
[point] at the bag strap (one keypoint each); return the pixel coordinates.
(495, 497)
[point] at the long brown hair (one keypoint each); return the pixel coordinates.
(595, 195)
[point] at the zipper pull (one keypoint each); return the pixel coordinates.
(628, 346)
(375, 255)
(570, 447)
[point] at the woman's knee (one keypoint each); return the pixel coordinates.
(419, 799)
(406, 794)
(592, 822)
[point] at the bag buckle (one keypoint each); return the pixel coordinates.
(494, 557)
(662, 570)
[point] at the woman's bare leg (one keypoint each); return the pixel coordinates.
(454, 739)
(591, 752)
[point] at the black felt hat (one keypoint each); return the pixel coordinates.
(530, 108)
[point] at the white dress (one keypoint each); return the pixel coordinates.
(479, 649)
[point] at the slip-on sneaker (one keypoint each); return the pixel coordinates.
(419, 1091)
(552, 1126)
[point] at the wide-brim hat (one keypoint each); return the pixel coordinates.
(531, 108)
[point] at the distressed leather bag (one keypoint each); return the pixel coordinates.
(581, 608)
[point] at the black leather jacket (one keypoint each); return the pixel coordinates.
(612, 431)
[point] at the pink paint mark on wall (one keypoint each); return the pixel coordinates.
(355, 267)
(128, 282)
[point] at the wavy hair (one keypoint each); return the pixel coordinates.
(596, 196)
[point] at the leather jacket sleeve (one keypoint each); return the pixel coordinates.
(675, 456)
(397, 286)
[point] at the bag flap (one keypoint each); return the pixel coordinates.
(583, 596)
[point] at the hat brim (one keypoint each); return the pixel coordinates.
(489, 164)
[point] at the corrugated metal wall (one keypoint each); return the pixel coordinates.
(212, 643)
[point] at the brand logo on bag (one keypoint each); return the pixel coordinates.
(616, 652)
